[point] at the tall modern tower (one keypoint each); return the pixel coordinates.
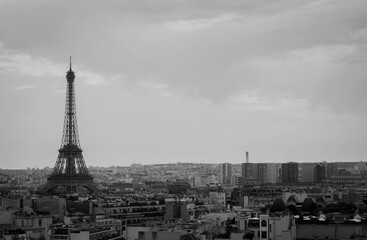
(70, 171)
(225, 173)
(248, 169)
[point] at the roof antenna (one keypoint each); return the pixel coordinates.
(70, 63)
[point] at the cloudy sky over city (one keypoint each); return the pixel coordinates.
(185, 80)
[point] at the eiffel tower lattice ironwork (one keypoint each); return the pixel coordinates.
(70, 171)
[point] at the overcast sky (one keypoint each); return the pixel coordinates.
(185, 80)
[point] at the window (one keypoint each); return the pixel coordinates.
(253, 223)
(264, 234)
(40, 222)
(263, 223)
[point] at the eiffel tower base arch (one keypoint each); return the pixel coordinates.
(69, 184)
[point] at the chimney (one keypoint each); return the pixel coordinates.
(247, 158)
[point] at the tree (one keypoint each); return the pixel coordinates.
(293, 209)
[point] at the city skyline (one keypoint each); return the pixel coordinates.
(183, 81)
(349, 164)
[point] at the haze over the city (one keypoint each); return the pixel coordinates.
(189, 81)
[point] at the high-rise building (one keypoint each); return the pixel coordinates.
(225, 173)
(272, 173)
(248, 169)
(319, 172)
(307, 172)
(290, 172)
(266, 172)
(261, 172)
(331, 169)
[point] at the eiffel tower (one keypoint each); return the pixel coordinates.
(70, 173)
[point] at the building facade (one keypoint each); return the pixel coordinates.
(225, 173)
(307, 172)
(248, 172)
(319, 172)
(290, 173)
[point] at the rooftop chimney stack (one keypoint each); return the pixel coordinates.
(247, 158)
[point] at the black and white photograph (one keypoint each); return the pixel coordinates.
(183, 119)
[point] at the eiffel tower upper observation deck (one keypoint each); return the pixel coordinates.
(70, 172)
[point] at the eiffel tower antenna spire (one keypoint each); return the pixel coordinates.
(70, 63)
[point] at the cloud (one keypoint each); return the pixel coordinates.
(326, 75)
(91, 78)
(162, 89)
(26, 65)
(359, 35)
(24, 87)
(23, 64)
(145, 83)
(280, 60)
(199, 24)
(260, 100)
(60, 91)
(328, 53)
